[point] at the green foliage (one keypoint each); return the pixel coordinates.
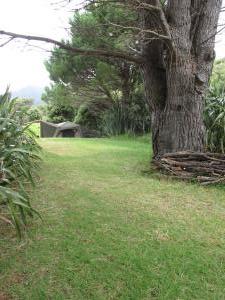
(58, 93)
(90, 114)
(26, 110)
(215, 109)
(23, 104)
(215, 124)
(85, 117)
(92, 29)
(58, 113)
(18, 165)
(217, 82)
(59, 101)
(114, 121)
(43, 109)
(34, 114)
(127, 118)
(88, 83)
(121, 119)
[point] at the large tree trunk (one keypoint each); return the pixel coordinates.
(178, 125)
(177, 100)
(178, 128)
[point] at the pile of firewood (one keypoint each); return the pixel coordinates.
(206, 168)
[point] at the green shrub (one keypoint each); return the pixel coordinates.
(87, 116)
(90, 113)
(215, 124)
(58, 113)
(19, 161)
(214, 114)
(34, 114)
(122, 119)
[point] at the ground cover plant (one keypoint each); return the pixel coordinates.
(18, 165)
(113, 230)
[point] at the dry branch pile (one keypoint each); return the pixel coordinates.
(206, 168)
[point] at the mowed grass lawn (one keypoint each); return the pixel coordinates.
(111, 230)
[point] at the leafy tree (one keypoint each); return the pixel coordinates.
(26, 111)
(23, 103)
(60, 108)
(90, 114)
(91, 77)
(58, 93)
(34, 114)
(58, 113)
(93, 80)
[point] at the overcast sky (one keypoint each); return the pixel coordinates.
(21, 66)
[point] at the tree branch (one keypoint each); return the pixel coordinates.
(152, 32)
(7, 42)
(76, 51)
(163, 20)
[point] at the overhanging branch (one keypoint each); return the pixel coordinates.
(77, 51)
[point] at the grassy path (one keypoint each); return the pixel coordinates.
(112, 232)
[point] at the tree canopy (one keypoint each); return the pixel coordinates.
(99, 84)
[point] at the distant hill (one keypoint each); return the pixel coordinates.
(33, 92)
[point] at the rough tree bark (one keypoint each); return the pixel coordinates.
(177, 56)
(176, 78)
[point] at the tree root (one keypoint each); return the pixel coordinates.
(206, 168)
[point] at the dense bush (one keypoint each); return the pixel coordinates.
(85, 116)
(19, 162)
(215, 109)
(58, 113)
(116, 117)
(130, 118)
(90, 113)
(34, 114)
(26, 110)
(215, 124)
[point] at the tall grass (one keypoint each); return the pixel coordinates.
(19, 162)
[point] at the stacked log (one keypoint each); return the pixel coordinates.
(206, 168)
